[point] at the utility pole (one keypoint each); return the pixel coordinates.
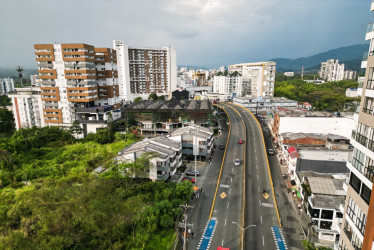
(196, 150)
(185, 225)
(302, 73)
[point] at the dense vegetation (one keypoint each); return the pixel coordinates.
(6, 122)
(50, 199)
(330, 95)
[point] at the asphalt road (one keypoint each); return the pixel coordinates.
(228, 209)
(259, 211)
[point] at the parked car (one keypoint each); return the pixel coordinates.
(237, 162)
(270, 151)
(189, 179)
(240, 141)
(221, 147)
(192, 172)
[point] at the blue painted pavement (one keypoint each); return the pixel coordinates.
(208, 234)
(279, 241)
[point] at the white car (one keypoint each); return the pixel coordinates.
(237, 162)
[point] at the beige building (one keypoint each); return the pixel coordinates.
(258, 78)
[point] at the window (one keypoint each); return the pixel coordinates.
(355, 182)
(327, 214)
(368, 105)
(369, 169)
(313, 212)
(370, 83)
(325, 225)
(362, 131)
(358, 159)
(365, 193)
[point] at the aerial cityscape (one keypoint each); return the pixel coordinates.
(187, 124)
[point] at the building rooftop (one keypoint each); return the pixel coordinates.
(323, 201)
(299, 112)
(199, 131)
(323, 154)
(328, 186)
(295, 136)
(173, 103)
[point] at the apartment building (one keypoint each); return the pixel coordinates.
(142, 71)
(27, 107)
(165, 157)
(6, 85)
(331, 70)
(229, 85)
(358, 220)
(258, 78)
(78, 82)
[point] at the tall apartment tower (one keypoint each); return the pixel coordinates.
(6, 85)
(230, 85)
(331, 70)
(142, 71)
(357, 230)
(78, 82)
(258, 78)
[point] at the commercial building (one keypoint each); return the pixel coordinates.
(358, 220)
(229, 85)
(351, 92)
(159, 117)
(349, 75)
(304, 121)
(196, 140)
(165, 157)
(142, 71)
(6, 85)
(267, 104)
(258, 78)
(331, 70)
(289, 73)
(27, 107)
(78, 82)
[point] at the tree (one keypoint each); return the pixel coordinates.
(19, 69)
(5, 101)
(76, 128)
(104, 136)
(162, 97)
(6, 122)
(138, 99)
(153, 96)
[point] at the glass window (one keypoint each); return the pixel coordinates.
(355, 182)
(313, 212)
(365, 193)
(327, 214)
(325, 224)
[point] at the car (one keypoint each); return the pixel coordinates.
(189, 179)
(270, 151)
(221, 147)
(240, 141)
(192, 172)
(237, 162)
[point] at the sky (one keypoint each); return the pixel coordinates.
(206, 33)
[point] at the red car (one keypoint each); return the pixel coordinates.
(190, 179)
(240, 141)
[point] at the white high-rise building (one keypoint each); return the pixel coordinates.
(27, 107)
(258, 78)
(6, 85)
(332, 71)
(142, 71)
(230, 85)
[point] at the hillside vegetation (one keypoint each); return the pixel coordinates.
(50, 199)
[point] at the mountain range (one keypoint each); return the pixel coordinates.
(351, 56)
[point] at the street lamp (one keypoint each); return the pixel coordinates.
(242, 229)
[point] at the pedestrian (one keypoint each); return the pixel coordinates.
(201, 190)
(197, 195)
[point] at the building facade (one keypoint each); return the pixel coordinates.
(331, 70)
(229, 85)
(258, 78)
(27, 107)
(78, 82)
(142, 71)
(6, 85)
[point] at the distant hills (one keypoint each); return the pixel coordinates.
(351, 56)
(6, 72)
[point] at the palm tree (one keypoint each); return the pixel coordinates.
(19, 70)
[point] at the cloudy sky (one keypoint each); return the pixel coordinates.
(205, 32)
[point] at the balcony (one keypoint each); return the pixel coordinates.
(95, 109)
(365, 60)
(370, 31)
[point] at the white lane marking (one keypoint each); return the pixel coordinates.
(258, 188)
(267, 205)
(257, 177)
(263, 241)
(230, 191)
(226, 220)
(231, 179)
(228, 203)
(256, 167)
(261, 220)
(259, 202)
(224, 186)
(222, 241)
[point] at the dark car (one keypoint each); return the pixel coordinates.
(192, 172)
(189, 179)
(221, 146)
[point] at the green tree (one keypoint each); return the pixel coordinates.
(138, 99)
(76, 128)
(6, 122)
(104, 136)
(162, 97)
(152, 96)
(5, 101)
(19, 69)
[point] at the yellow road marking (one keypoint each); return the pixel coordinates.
(267, 161)
(223, 195)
